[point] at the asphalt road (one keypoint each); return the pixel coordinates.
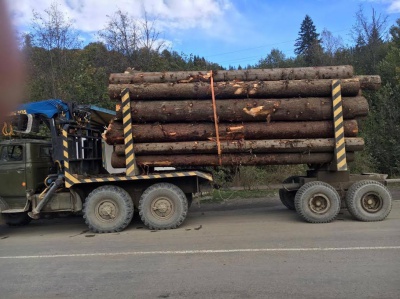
(240, 249)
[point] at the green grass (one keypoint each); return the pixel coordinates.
(218, 195)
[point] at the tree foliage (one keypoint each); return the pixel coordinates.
(308, 44)
(368, 35)
(59, 67)
(49, 50)
(275, 59)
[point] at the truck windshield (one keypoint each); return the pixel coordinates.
(11, 153)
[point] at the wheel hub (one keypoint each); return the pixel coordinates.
(162, 208)
(319, 203)
(107, 210)
(371, 202)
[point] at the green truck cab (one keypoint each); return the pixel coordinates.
(24, 166)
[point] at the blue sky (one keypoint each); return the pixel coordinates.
(229, 32)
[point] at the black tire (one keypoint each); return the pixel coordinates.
(287, 197)
(108, 209)
(369, 201)
(17, 219)
(317, 202)
(163, 206)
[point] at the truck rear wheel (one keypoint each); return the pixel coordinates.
(369, 201)
(163, 206)
(108, 209)
(317, 202)
(286, 196)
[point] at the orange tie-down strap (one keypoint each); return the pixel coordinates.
(215, 118)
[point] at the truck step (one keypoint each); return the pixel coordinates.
(10, 211)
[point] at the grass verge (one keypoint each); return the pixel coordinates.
(219, 195)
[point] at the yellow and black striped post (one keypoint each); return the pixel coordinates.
(69, 179)
(340, 149)
(131, 166)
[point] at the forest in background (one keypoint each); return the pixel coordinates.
(60, 66)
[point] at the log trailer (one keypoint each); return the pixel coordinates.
(72, 173)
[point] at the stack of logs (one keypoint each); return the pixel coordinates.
(264, 116)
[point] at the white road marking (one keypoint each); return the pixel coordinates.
(205, 251)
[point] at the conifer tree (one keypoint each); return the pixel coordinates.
(308, 43)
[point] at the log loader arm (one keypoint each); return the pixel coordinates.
(51, 119)
(28, 119)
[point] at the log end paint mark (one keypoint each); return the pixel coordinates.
(234, 129)
(239, 91)
(257, 111)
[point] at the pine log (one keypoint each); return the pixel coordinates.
(323, 72)
(370, 82)
(242, 146)
(245, 110)
(206, 131)
(228, 159)
(234, 89)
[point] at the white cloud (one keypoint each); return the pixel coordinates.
(394, 6)
(91, 15)
(175, 19)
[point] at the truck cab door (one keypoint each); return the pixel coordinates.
(13, 174)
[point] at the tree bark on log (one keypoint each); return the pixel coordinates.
(242, 146)
(323, 72)
(245, 110)
(206, 131)
(228, 160)
(370, 82)
(233, 89)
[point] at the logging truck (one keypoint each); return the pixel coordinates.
(106, 175)
(71, 173)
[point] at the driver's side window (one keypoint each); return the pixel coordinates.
(12, 153)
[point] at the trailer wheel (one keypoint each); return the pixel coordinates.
(317, 202)
(108, 209)
(369, 201)
(163, 206)
(17, 219)
(287, 197)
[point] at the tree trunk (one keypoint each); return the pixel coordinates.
(234, 89)
(227, 160)
(324, 72)
(242, 146)
(245, 110)
(206, 131)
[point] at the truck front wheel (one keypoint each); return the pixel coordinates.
(317, 202)
(163, 206)
(369, 201)
(108, 209)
